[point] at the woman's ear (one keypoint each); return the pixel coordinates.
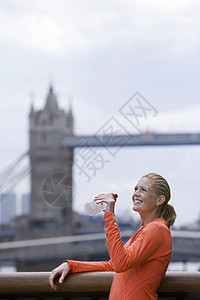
(161, 200)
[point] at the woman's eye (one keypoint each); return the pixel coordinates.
(144, 190)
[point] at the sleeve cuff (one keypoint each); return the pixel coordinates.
(69, 264)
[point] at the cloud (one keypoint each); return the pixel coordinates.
(171, 24)
(89, 118)
(183, 120)
(38, 26)
(64, 27)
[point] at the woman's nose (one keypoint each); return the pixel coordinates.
(136, 193)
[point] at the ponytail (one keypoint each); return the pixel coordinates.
(169, 214)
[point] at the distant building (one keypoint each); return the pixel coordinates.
(7, 208)
(25, 204)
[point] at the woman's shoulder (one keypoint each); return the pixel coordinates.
(157, 231)
(157, 225)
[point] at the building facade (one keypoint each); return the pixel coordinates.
(25, 204)
(7, 208)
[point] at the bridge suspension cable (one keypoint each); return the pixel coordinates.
(14, 174)
(12, 167)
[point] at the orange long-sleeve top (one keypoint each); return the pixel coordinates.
(139, 265)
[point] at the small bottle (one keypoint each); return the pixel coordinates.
(92, 208)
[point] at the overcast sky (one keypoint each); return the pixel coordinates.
(100, 53)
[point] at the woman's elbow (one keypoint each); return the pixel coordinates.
(120, 268)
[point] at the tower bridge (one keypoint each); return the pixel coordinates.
(51, 144)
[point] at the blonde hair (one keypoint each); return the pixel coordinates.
(161, 187)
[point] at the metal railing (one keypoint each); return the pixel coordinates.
(90, 285)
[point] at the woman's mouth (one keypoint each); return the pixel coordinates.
(136, 201)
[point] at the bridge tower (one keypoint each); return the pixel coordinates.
(50, 164)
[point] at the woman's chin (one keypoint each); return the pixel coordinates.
(135, 208)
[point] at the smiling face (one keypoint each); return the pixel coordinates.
(145, 200)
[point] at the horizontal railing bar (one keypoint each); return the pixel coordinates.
(89, 282)
(58, 240)
(186, 234)
(82, 238)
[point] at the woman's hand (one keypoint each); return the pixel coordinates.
(61, 270)
(108, 199)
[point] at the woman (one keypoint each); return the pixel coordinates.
(141, 263)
